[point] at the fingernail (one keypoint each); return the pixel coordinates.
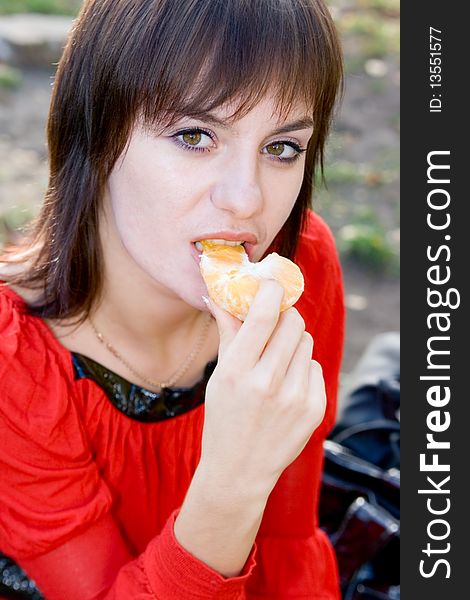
(209, 304)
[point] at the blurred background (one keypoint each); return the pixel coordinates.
(360, 203)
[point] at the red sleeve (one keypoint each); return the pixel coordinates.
(55, 510)
(164, 571)
(295, 559)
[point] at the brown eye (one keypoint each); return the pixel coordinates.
(192, 138)
(283, 151)
(275, 149)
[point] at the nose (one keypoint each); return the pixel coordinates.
(237, 188)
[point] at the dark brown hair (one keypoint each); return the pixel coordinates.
(142, 59)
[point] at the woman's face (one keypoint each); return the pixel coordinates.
(206, 179)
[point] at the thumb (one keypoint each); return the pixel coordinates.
(227, 324)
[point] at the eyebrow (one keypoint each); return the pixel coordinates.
(302, 123)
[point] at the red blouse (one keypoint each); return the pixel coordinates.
(82, 484)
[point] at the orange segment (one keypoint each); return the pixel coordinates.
(233, 281)
(224, 254)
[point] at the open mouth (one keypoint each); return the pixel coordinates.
(248, 246)
(221, 243)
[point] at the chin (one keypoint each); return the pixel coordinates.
(191, 292)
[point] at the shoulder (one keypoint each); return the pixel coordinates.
(36, 374)
(13, 324)
(21, 330)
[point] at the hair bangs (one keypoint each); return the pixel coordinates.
(236, 54)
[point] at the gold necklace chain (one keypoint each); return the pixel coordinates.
(176, 375)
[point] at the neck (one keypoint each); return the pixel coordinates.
(141, 313)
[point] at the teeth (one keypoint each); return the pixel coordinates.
(221, 243)
(226, 242)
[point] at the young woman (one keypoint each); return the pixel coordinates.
(154, 447)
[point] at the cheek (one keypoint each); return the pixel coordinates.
(146, 197)
(134, 213)
(283, 191)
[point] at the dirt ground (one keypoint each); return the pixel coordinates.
(365, 138)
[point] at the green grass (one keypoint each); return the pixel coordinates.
(344, 172)
(379, 36)
(12, 221)
(366, 241)
(394, 121)
(367, 244)
(10, 78)
(387, 7)
(377, 87)
(16, 217)
(55, 7)
(353, 64)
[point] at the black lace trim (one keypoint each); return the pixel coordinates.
(137, 402)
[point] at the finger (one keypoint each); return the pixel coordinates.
(227, 324)
(298, 372)
(281, 347)
(317, 392)
(259, 324)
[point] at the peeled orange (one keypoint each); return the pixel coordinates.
(233, 281)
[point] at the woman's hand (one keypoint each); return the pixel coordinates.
(264, 399)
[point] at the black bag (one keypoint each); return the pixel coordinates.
(360, 493)
(14, 583)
